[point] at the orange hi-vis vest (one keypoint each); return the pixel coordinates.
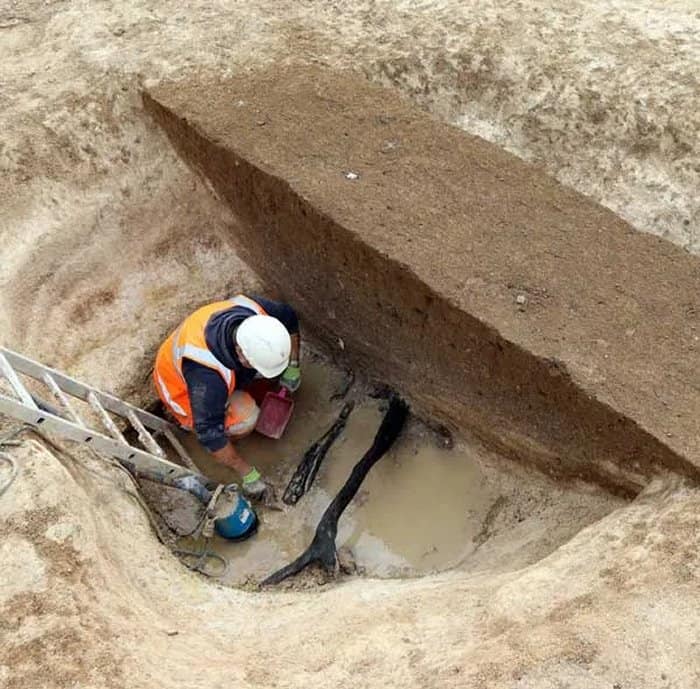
(188, 342)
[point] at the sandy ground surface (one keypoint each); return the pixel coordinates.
(106, 240)
(90, 599)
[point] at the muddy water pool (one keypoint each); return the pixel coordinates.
(418, 511)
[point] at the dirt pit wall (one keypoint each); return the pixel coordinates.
(496, 299)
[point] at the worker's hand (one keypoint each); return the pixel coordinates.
(291, 378)
(253, 486)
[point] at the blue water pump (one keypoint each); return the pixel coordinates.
(227, 511)
(240, 521)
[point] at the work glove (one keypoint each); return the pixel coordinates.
(291, 378)
(253, 485)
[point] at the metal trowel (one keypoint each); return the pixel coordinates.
(275, 411)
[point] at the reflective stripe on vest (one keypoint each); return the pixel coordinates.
(168, 399)
(204, 356)
(200, 355)
(242, 300)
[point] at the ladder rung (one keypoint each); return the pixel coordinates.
(105, 418)
(15, 382)
(181, 451)
(75, 388)
(62, 399)
(145, 437)
(48, 423)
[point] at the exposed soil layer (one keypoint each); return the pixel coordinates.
(508, 305)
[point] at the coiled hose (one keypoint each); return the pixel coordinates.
(198, 564)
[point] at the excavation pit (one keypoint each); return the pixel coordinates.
(105, 258)
(427, 506)
(470, 282)
(109, 241)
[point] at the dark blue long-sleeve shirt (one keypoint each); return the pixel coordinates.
(207, 390)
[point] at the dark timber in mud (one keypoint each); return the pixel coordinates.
(322, 549)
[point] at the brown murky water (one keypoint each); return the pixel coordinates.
(418, 510)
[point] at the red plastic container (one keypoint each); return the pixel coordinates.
(275, 411)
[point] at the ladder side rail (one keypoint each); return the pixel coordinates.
(101, 443)
(81, 391)
(17, 385)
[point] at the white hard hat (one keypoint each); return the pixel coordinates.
(266, 344)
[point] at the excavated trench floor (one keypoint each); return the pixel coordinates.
(427, 506)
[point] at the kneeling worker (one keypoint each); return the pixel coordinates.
(204, 367)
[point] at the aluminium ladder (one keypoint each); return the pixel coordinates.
(150, 459)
